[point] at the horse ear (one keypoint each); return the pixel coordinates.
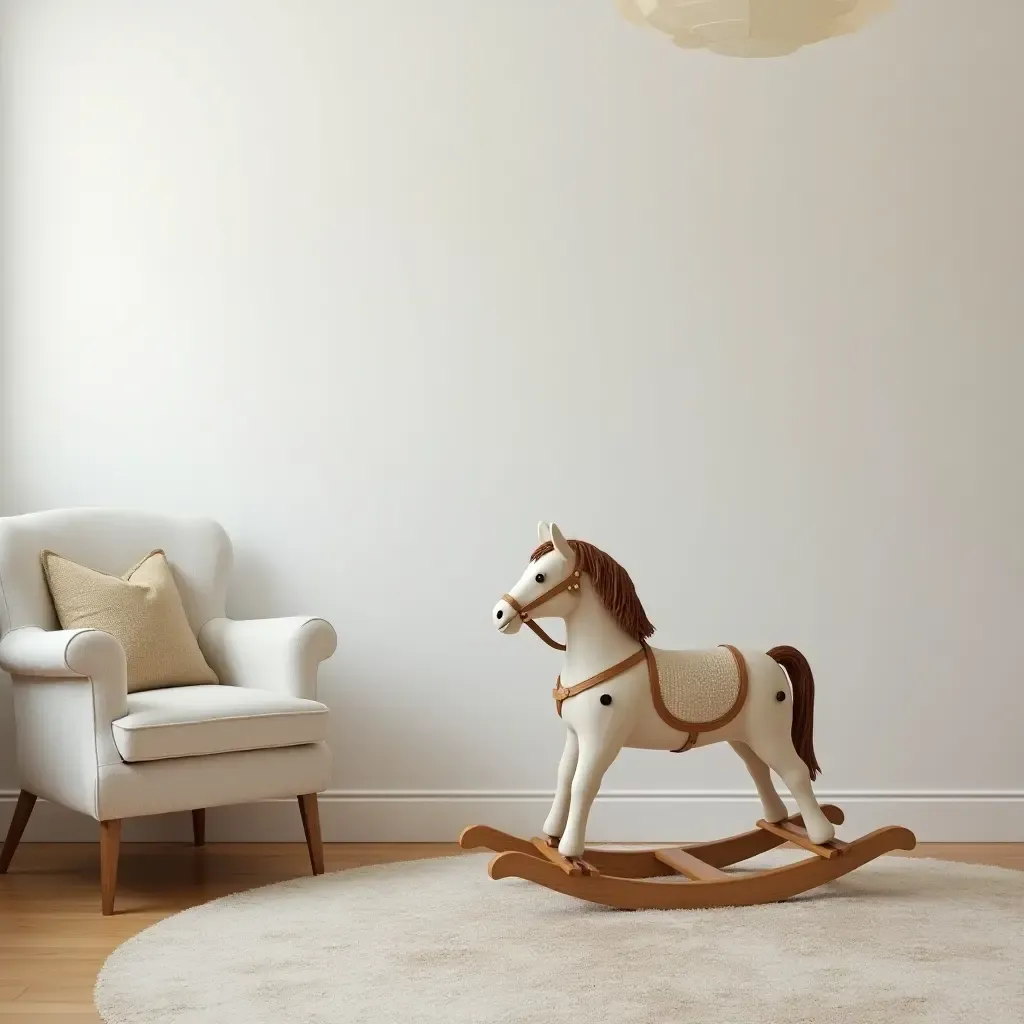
(561, 545)
(543, 531)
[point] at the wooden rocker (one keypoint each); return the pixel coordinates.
(623, 879)
(616, 691)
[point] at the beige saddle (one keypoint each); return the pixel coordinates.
(696, 691)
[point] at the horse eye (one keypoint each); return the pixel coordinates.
(539, 577)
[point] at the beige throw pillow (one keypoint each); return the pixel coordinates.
(142, 610)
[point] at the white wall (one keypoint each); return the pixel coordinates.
(380, 285)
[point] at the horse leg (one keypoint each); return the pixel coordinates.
(778, 751)
(554, 824)
(771, 802)
(596, 754)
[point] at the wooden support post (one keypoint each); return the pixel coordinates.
(110, 847)
(309, 811)
(199, 826)
(22, 811)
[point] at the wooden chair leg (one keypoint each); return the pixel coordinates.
(199, 826)
(110, 846)
(22, 811)
(309, 810)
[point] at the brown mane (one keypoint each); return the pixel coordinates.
(613, 586)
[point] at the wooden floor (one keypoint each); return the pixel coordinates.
(53, 939)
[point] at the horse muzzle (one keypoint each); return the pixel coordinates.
(506, 618)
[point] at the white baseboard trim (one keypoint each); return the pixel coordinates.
(619, 816)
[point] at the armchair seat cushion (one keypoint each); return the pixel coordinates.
(190, 721)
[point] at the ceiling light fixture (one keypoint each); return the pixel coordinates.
(751, 28)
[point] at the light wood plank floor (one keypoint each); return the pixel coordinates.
(53, 939)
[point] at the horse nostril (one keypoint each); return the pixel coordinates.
(500, 613)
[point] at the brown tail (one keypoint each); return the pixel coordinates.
(802, 680)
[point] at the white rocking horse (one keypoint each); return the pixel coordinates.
(615, 691)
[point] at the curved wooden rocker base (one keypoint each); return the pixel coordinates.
(623, 879)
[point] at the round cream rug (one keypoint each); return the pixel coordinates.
(437, 941)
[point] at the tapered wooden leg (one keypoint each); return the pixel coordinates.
(22, 810)
(199, 826)
(310, 813)
(110, 846)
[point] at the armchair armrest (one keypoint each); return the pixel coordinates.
(280, 655)
(64, 654)
(69, 685)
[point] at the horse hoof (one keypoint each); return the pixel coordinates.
(821, 833)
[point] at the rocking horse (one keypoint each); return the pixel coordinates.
(615, 691)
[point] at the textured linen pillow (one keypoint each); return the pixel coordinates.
(142, 610)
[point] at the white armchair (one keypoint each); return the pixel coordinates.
(85, 741)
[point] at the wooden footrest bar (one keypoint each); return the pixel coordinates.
(691, 867)
(833, 844)
(570, 867)
(797, 835)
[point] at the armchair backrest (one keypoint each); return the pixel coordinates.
(111, 540)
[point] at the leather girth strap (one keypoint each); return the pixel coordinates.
(691, 741)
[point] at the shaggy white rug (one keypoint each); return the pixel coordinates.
(437, 941)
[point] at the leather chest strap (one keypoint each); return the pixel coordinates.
(562, 693)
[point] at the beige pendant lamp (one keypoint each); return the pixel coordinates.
(751, 28)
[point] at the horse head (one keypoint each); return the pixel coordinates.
(548, 588)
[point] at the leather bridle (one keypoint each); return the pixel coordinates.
(571, 583)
